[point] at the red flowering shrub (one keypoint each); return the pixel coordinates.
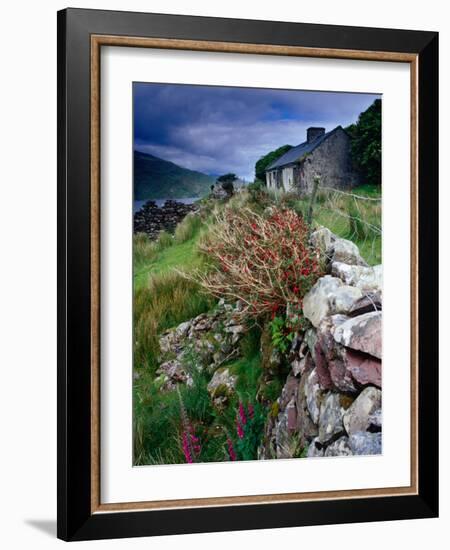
(264, 261)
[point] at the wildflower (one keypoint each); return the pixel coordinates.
(239, 429)
(186, 448)
(231, 451)
(242, 416)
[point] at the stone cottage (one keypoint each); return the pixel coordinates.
(323, 154)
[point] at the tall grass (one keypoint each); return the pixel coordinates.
(144, 250)
(348, 217)
(188, 228)
(164, 240)
(165, 302)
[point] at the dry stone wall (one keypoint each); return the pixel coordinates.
(331, 402)
(152, 219)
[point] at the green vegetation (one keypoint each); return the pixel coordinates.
(266, 160)
(366, 143)
(164, 298)
(156, 178)
(345, 214)
(168, 252)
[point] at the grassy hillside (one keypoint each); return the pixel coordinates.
(155, 178)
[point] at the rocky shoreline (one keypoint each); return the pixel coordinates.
(152, 219)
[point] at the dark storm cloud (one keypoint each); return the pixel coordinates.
(221, 129)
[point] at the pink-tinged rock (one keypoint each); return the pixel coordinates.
(362, 333)
(364, 368)
(334, 373)
(289, 390)
(322, 368)
(341, 376)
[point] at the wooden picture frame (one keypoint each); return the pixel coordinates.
(81, 35)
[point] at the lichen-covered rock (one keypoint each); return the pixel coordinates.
(221, 386)
(365, 443)
(365, 278)
(345, 251)
(340, 447)
(285, 428)
(322, 239)
(306, 427)
(362, 333)
(298, 366)
(335, 248)
(344, 299)
(330, 418)
(313, 394)
(182, 329)
(328, 297)
(310, 340)
(358, 416)
(173, 372)
(316, 303)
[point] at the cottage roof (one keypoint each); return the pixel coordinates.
(296, 153)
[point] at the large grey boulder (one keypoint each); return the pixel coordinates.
(365, 443)
(362, 333)
(359, 416)
(322, 239)
(365, 278)
(345, 251)
(328, 297)
(335, 248)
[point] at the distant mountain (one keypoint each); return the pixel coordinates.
(155, 178)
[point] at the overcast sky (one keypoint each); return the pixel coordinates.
(217, 129)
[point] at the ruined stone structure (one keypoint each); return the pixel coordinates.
(326, 155)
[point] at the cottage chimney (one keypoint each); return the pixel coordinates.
(313, 133)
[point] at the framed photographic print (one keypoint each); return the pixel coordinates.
(247, 274)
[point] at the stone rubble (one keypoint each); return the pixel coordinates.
(207, 341)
